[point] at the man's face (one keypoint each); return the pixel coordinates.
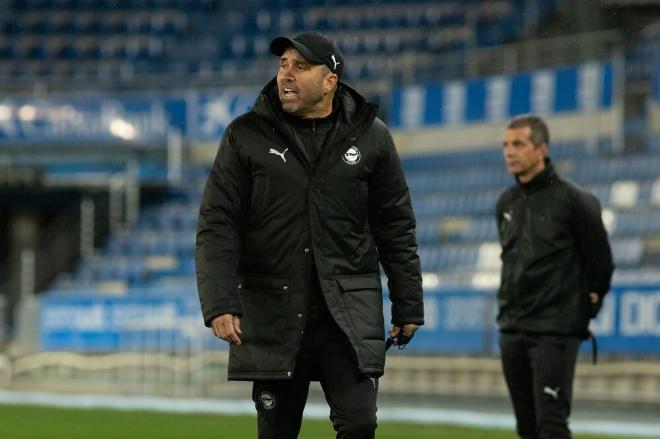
(304, 88)
(522, 158)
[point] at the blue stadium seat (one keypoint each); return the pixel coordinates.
(37, 51)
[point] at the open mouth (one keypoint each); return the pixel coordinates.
(289, 92)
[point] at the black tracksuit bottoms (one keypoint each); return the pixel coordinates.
(325, 355)
(539, 371)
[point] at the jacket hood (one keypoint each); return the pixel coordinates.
(353, 108)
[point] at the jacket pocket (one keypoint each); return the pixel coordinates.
(264, 301)
(363, 298)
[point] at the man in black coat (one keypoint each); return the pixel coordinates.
(305, 198)
(556, 269)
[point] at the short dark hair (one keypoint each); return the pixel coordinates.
(540, 133)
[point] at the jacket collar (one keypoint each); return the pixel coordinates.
(353, 116)
(352, 107)
(540, 180)
(299, 122)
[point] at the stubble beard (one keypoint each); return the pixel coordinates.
(302, 107)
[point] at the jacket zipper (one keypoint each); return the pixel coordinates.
(308, 255)
(314, 145)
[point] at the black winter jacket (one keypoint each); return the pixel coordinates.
(555, 252)
(265, 214)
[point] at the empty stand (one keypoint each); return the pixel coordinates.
(454, 196)
(388, 39)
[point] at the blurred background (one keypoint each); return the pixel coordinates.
(111, 112)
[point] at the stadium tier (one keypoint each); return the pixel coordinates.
(454, 205)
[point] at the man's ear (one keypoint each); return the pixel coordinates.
(330, 82)
(544, 149)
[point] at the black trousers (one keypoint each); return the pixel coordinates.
(539, 371)
(327, 356)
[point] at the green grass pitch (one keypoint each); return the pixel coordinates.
(36, 422)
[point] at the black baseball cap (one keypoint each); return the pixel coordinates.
(315, 47)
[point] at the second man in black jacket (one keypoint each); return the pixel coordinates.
(556, 269)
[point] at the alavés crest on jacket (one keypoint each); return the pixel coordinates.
(267, 400)
(352, 155)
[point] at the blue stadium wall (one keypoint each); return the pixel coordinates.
(457, 322)
(199, 116)
(578, 102)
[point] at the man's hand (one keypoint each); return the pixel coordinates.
(228, 328)
(596, 302)
(408, 330)
(400, 335)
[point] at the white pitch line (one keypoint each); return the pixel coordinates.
(465, 418)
